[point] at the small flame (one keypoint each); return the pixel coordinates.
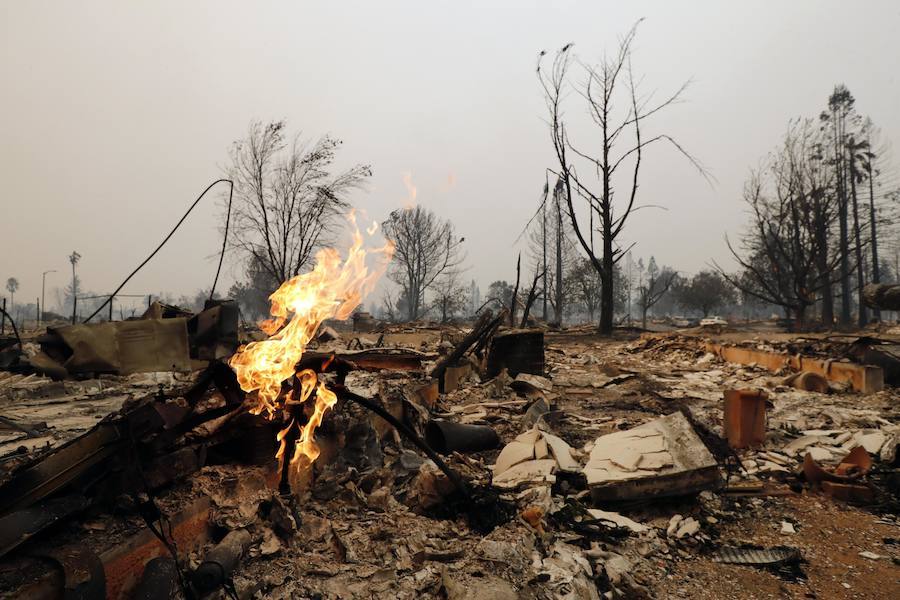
(411, 192)
(332, 290)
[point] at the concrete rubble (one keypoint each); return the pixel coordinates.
(614, 477)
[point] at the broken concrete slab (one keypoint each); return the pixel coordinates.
(677, 462)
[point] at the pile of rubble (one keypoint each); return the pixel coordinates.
(466, 464)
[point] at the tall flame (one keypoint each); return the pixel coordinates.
(332, 290)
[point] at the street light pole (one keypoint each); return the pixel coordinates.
(43, 304)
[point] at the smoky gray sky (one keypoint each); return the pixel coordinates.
(114, 116)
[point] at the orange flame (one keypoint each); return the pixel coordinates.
(332, 290)
(411, 192)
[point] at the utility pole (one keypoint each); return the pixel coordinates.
(559, 266)
(43, 303)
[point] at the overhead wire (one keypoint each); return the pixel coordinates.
(171, 233)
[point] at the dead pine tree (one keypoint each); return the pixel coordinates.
(856, 156)
(612, 168)
(838, 119)
(870, 170)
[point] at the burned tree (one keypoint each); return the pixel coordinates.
(450, 297)
(870, 159)
(499, 294)
(706, 291)
(622, 142)
(782, 251)
(838, 121)
(553, 252)
(426, 247)
(75, 287)
(586, 285)
(654, 284)
(12, 286)
(287, 199)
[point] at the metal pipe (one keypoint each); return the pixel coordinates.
(220, 562)
(447, 436)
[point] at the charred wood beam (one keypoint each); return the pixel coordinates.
(532, 295)
(366, 360)
(481, 326)
(491, 329)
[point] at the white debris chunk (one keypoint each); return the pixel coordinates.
(620, 520)
(872, 442)
(528, 472)
(562, 452)
(513, 454)
(674, 522)
(689, 526)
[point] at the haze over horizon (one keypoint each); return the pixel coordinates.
(116, 116)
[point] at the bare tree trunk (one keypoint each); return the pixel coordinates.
(512, 301)
(860, 264)
(800, 312)
(844, 244)
(559, 262)
(876, 274)
(532, 294)
(823, 268)
(606, 289)
(546, 314)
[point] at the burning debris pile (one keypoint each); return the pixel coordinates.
(480, 462)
